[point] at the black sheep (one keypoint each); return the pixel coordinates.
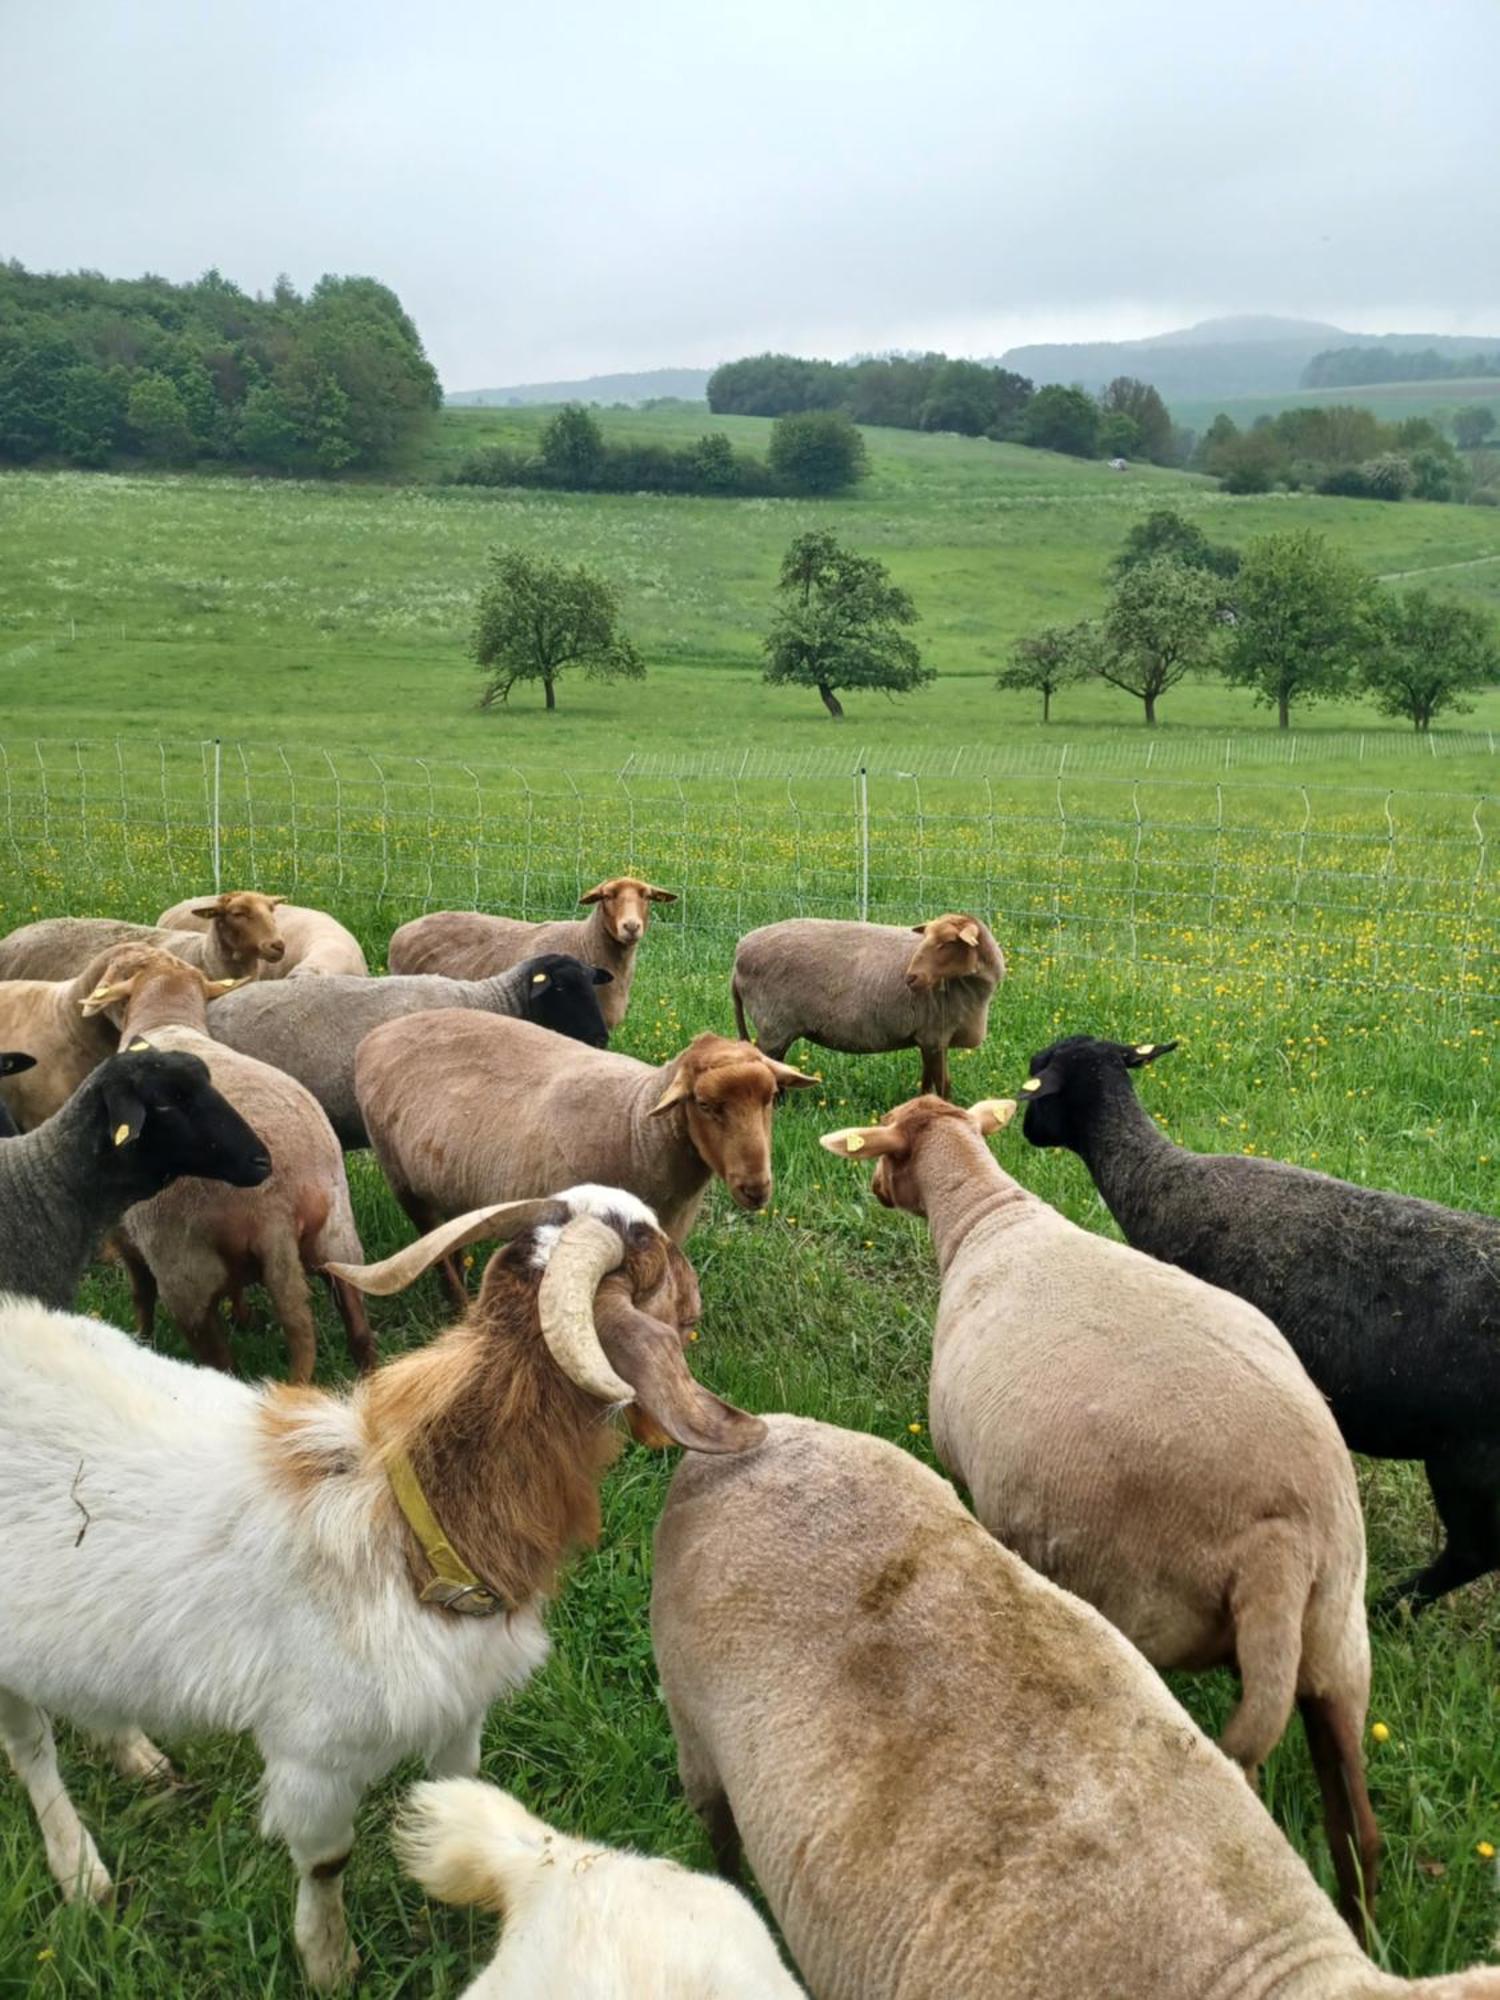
(1392, 1304)
(11, 1063)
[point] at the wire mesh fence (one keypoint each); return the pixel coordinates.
(1211, 876)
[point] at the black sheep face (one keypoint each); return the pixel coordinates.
(1068, 1079)
(165, 1120)
(560, 995)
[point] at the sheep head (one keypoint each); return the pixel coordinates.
(625, 906)
(893, 1143)
(244, 923)
(1069, 1078)
(952, 947)
(120, 979)
(727, 1090)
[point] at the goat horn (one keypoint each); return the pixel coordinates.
(583, 1252)
(500, 1220)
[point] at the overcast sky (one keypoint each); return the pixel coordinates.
(591, 185)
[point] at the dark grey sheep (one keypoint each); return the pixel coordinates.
(138, 1122)
(312, 1028)
(1392, 1304)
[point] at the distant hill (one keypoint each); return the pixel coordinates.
(689, 383)
(1248, 356)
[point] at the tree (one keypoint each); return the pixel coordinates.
(158, 420)
(840, 625)
(572, 447)
(1472, 425)
(1058, 419)
(1127, 397)
(1053, 658)
(1424, 654)
(1298, 620)
(817, 451)
(1119, 435)
(536, 618)
(1165, 532)
(1163, 621)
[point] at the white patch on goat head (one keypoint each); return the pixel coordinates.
(606, 1204)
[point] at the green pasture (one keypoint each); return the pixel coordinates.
(1320, 933)
(1390, 401)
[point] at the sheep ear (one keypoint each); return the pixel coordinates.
(215, 987)
(861, 1142)
(125, 1110)
(105, 996)
(992, 1114)
(1147, 1052)
(661, 895)
(788, 1078)
(13, 1062)
(596, 894)
(1048, 1084)
(213, 909)
(603, 977)
(680, 1087)
(970, 934)
(500, 1220)
(276, 901)
(920, 929)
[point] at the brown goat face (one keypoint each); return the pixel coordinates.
(626, 902)
(949, 950)
(246, 925)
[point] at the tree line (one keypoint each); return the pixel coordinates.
(933, 392)
(1359, 367)
(96, 371)
(1293, 619)
(811, 452)
(1338, 448)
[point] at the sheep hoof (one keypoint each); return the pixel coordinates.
(329, 1964)
(88, 1881)
(137, 1757)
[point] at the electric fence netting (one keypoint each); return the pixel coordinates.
(1209, 871)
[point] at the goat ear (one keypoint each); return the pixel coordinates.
(679, 1088)
(1048, 1084)
(661, 895)
(992, 1114)
(669, 1407)
(788, 1078)
(125, 1109)
(595, 895)
(104, 996)
(500, 1220)
(603, 977)
(1147, 1052)
(861, 1142)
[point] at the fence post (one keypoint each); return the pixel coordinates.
(218, 786)
(864, 845)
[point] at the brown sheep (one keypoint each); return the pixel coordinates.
(316, 943)
(239, 940)
(953, 1780)
(465, 1108)
(199, 1243)
(864, 988)
(466, 945)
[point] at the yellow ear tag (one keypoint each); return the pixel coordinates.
(539, 979)
(693, 1334)
(1145, 1048)
(855, 1143)
(122, 1133)
(1032, 1083)
(139, 1045)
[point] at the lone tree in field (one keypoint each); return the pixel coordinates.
(816, 451)
(1165, 532)
(1423, 654)
(840, 625)
(1299, 619)
(1053, 658)
(536, 619)
(1163, 621)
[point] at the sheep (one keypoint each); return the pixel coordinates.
(463, 944)
(136, 1124)
(582, 1921)
(1392, 1304)
(12, 1062)
(312, 1027)
(463, 1108)
(316, 943)
(862, 988)
(952, 1778)
(294, 1563)
(239, 941)
(1149, 1443)
(199, 1243)
(46, 1017)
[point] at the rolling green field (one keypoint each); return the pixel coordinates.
(1390, 401)
(1321, 936)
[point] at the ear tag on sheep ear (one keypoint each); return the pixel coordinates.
(854, 1142)
(1145, 1048)
(139, 1046)
(1032, 1083)
(122, 1134)
(539, 979)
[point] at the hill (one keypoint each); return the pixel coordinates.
(686, 383)
(1248, 356)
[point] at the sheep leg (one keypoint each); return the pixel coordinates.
(71, 1854)
(136, 1756)
(935, 1073)
(706, 1795)
(357, 1334)
(312, 1809)
(143, 1287)
(1353, 1835)
(286, 1281)
(458, 1755)
(1267, 1600)
(1466, 1491)
(205, 1335)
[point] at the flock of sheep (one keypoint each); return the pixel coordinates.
(938, 1735)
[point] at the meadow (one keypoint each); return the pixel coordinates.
(1390, 401)
(1320, 935)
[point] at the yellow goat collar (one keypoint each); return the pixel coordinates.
(453, 1585)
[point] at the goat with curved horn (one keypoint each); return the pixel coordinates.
(586, 1249)
(499, 1221)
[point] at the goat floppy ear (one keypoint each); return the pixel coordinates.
(679, 1088)
(125, 1110)
(1147, 1052)
(660, 895)
(500, 1220)
(991, 1114)
(862, 1142)
(670, 1407)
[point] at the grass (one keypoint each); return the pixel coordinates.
(1329, 971)
(1390, 401)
